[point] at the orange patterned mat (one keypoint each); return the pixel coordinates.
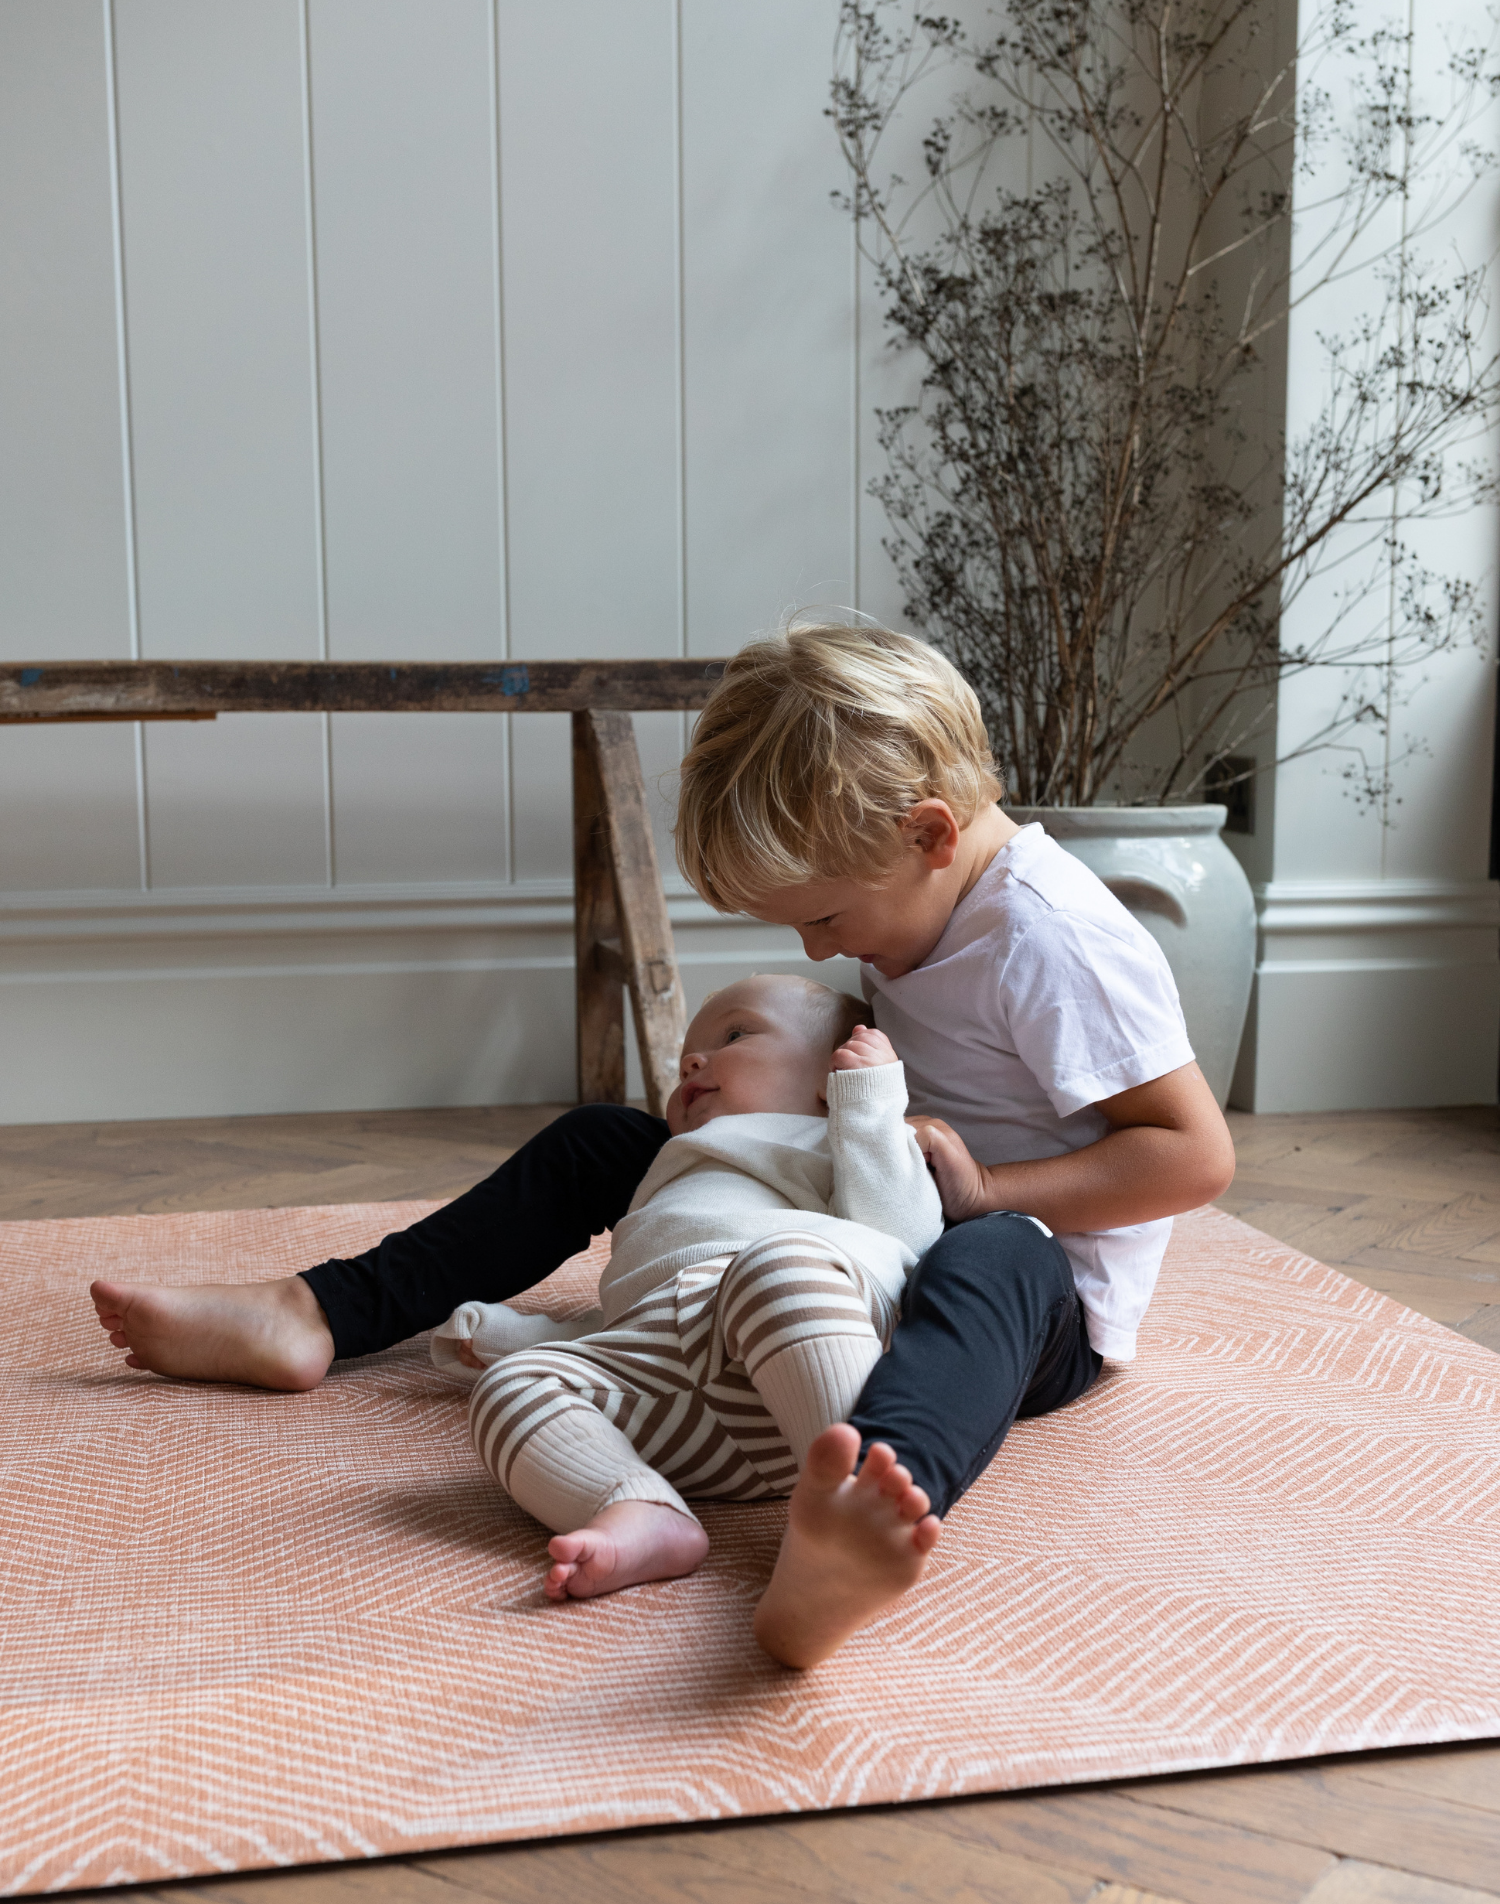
(245, 1630)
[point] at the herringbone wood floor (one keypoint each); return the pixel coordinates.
(1407, 1201)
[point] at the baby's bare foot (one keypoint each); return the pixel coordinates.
(853, 1544)
(622, 1546)
(271, 1335)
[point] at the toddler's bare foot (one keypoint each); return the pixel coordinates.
(271, 1335)
(622, 1546)
(853, 1544)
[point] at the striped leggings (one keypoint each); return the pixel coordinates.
(711, 1388)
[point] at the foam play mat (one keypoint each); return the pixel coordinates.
(246, 1630)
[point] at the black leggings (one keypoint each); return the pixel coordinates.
(991, 1326)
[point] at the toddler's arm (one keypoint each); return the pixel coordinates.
(880, 1176)
(1168, 1150)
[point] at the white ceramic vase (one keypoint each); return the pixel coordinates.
(1170, 866)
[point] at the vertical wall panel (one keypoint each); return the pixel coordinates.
(69, 798)
(420, 797)
(405, 214)
(62, 518)
(217, 303)
(404, 200)
(768, 320)
(68, 801)
(588, 165)
(230, 801)
(211, 155)
(1444, 785)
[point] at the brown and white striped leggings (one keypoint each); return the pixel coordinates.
(712, 1387)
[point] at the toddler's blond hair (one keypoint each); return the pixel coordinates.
(812, 748)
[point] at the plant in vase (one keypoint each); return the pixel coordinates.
(1094, 268)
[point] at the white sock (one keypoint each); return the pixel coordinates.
(812, 1384)
(493, 1329)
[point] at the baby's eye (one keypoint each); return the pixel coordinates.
(734, 1033)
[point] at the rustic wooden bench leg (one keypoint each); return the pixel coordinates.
(600, 978)
(619, 885)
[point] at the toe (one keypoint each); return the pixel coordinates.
(877, 1465)
(895, 1482)
(925, 1534)
(831, 1458)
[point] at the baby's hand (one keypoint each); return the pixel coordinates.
(865, 1048)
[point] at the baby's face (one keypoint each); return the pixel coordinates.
(749, 1049)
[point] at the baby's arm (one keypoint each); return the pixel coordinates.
(478, 1333)
(880, 1176)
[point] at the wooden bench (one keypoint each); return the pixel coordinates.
(622, 934)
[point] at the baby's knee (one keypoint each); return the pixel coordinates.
(506, 1397)
(784, 1265)
(787, 1284)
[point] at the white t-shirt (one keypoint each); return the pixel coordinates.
(1043, 996)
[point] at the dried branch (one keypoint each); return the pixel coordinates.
(1081, 514)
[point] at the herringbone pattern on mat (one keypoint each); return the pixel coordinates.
(246, 1630)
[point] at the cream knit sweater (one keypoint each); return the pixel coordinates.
(856, 1177)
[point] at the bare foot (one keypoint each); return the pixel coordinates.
(853, 1544)
(272, 1335)
(622, 1546)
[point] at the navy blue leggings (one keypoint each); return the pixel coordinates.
(991, 1326)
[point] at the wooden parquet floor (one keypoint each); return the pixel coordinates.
(1408, 1202)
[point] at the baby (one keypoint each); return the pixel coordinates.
(752, 1287)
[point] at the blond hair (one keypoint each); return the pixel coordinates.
(816, 743)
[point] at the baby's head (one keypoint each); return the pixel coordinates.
(829, 768)
(761, 1045)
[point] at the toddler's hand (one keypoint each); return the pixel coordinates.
(864, 1049)
(961, 1182)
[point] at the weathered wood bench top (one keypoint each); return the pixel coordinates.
(623, 937)
(197, 690)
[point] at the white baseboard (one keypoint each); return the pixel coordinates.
(1376, 995)
(1373, 995)
(195, 1004)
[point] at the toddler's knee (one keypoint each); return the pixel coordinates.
(1003, 1245)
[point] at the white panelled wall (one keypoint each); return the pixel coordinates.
(366, 329)
(458, 329)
